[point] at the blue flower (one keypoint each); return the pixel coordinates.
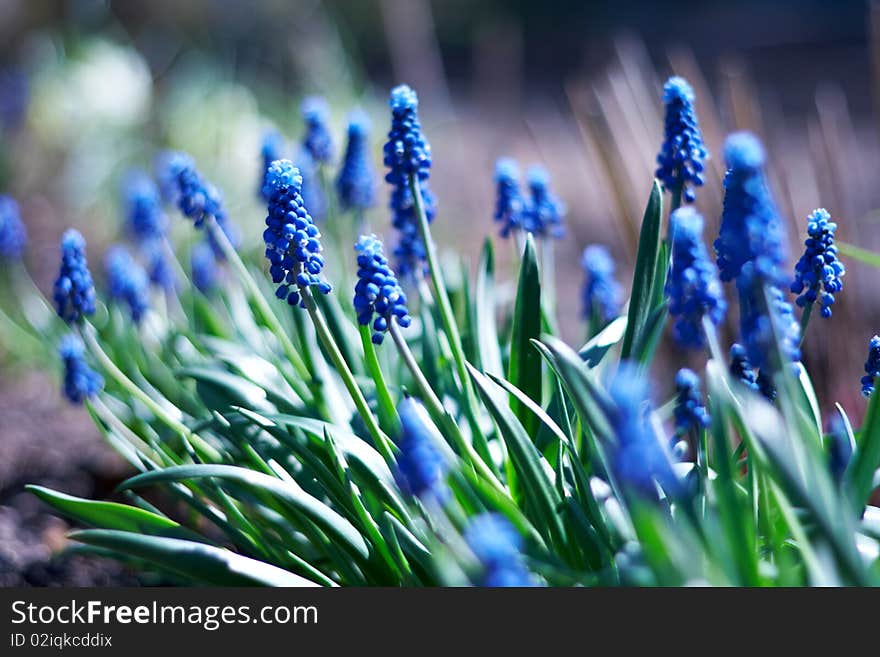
(407, 155)
(421, 469)
(293, 245)
(765, 317)
(74, 291)
(690, 414)
(144, 217)
(740, 367)
(751, 229)
(681, 157)
(317, 141)
(692, 287)
(602, 294)
(498, 547)
(159, 268)
(312, 191)
(271, 150)
(199, 200)
(840, 447)
(819, 269)
(544, 211)
(872, 367)
(355, 183)
(639, 460)
(81, 382)
(377, 292)
(204, 269)
(166, 166)
(128, 281)
(509, 204)
(13, 236)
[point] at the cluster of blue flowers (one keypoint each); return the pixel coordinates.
(740, 367)
(159, 268)
(81, 382)
(872, 367)
(765, 317)
(13, 236)
(317, 141)
(355, 183)
(292, 239)
(819, 269)
(498, 547)
(690, 414)
(203, 267)
(407, 156)
(271, 149)
(145, 219)
(602, 293)
(541, 214)
(681, 157)
(509, 203)
(74, 291)
(692, 287)
(377, 292)
(128, 282)
(421, 468)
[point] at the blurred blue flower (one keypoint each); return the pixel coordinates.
(819, 268)
(312, 191)
(292, 239)
(690, 414)
(509, 204)
(498, 547)
(159, 268)
(692, 287)
(741, 368)
(13, 236)
(872, 367)
(15, 94)
(317, 141)
(639, 460)
(840, 447)
(407, 154)
(681, 157)
(204, 268)
(74, 291)
(544, 211)
(144, 217)
(199, 200)
(166, 166)
(751, 229)
(377, 292)
(355, 184)
(271, 149)
(602, 294)
(81, 382)
(128, 282)
(421, 469)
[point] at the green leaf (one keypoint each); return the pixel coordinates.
(641, 299)
(862, 255)
(220, 389)
(340, 530)
(866, 459)
(196, 561)
(484, 309)
(111, 515)
(594, 351)
(525, 362)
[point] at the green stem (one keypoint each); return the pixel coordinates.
(805, 319)
(383, 444)
(439, 411)
(387, 411)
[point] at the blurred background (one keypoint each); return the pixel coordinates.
(90, 89)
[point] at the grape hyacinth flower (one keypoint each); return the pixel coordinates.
(692, 287)
(681, 157)
(203, 264)
(498, 547)
(407, 156)
(819, 269)
(355, 183)
(690, 413)
(159, 269)
(602, 293)
(199, 200)
(13, 236)
(81, 382)
(740, 367)
(544, 211)
(317, 141)
(840, 447)
(640, 460)
(751, 229)
(74, 291)
(421, 469)
(144, 217)
(377, 293)
(509, 204)
(271, 150)
(128, 282)
(293, 245)
(166, 166)
(872, 367)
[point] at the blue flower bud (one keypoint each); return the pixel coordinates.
(355, 183)
(13, 236)
(74, 291)
(690, 414)
(421, 469)
(544, 211)
(498, 547)
(317, 141)
(378, 296)
(204, 269)
(509, 204)
(144, 217)
(80, 381)
(872, 367)
(681, 159)
(128, 281)
(818, 273)
(602, 293)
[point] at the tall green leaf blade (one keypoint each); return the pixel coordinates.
(866, 459)
(484, 302)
